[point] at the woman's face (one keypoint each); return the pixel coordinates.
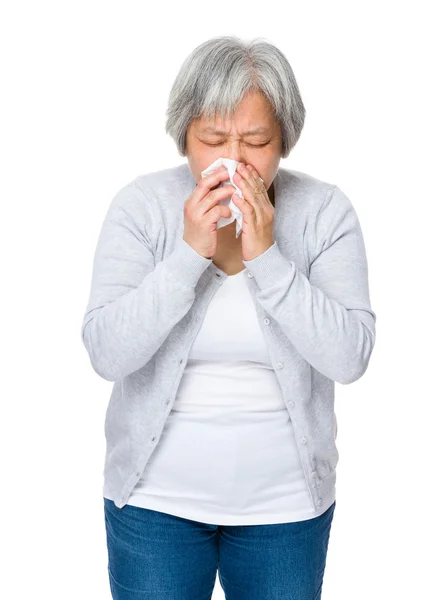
(235, 138)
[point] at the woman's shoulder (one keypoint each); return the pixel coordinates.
(179, 179)
(149, 192)
(298, 183)
(166, 180)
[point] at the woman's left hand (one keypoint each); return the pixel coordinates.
(258, 212)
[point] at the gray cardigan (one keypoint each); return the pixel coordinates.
(149, 295)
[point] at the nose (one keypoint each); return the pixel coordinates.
(234, 151)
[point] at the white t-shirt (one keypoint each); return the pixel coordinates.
(227, 454)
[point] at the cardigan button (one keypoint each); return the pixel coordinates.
(266, 321)
(304, 440)
(279, 366)
(319, 502)
(250, 274)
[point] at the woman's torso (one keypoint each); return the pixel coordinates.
(228, 454)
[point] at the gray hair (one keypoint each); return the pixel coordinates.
(215, 77)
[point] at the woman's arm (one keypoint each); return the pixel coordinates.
(134, 304)
(327, 317)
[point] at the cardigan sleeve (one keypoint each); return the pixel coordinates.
(134, 303)
(327, 316)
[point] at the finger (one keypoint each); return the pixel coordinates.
(257, 185)
(215, 196)
(206, 183)
(249, 203)
(245, 204)
(254, 182)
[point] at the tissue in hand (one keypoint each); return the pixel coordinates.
(236, 213)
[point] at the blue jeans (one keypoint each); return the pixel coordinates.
(153, 555)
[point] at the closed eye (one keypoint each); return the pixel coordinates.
(251, 145)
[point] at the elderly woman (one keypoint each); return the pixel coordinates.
(224, 307)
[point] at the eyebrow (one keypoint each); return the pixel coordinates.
(250, 132)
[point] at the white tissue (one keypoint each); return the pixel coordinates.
(236, 213)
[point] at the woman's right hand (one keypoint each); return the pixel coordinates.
(202, 211)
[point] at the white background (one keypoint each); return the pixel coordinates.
(84, 95)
